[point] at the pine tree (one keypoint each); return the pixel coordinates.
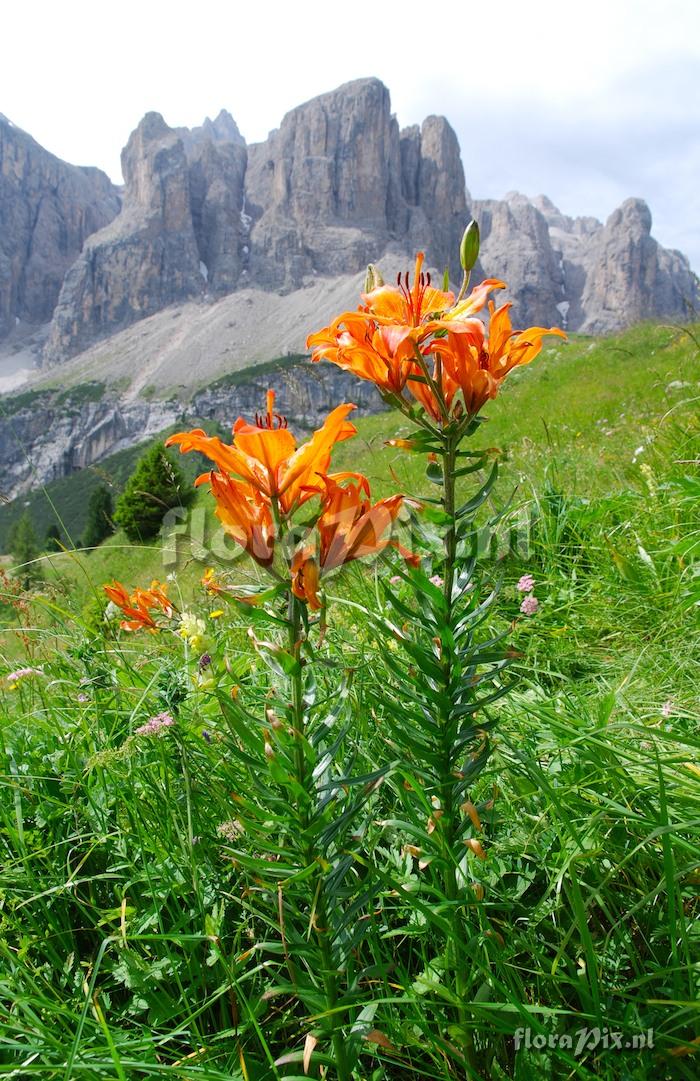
(156, 485)
(52, 541)
(25, 550)
(99, 524)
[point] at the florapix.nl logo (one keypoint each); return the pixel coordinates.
(582, 1041)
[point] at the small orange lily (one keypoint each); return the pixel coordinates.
(265, 454)
(382, 354)
(349, 527)
(138, 605)
(405, 304)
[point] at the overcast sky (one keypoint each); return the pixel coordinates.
(587, 102)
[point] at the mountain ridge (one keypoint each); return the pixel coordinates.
(336, 185)
(217, 255)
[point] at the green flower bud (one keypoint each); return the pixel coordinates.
(373, 278)
(469, 248)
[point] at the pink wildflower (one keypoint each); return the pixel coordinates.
(395, 580)
(230, 830)
(156, 725)
(530, 605)
(667, 708)
(83, 697)
(436, 580)
(13, 678)
(526, 584)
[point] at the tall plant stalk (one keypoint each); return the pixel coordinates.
(431, 359)
(317, 908)
(449, 823)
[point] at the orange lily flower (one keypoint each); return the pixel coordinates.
(349, 527)
(245, 516)
(138, 605)
(380, 341)
(420, 305)
(266, 456)
(406, 304)
(382, 354)
(467, 363)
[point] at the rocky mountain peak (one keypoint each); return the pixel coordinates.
(222, 129)
(336, 186)
(154, 166)
(633, 215)
(47, 210)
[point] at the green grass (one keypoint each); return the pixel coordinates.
(132, 943)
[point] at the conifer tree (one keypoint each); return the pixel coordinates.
(52, 541)
(99, 523)
(156, 485)
(24, 547)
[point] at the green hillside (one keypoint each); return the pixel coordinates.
(582, 408)
(579, 413)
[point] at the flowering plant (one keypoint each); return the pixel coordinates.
(296, 838)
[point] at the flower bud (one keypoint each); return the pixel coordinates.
(469, 248)
(373, 278)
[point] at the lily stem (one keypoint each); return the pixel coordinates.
(318, 901)
(449, 819)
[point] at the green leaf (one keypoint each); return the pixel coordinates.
(281, 662)
(434, 473)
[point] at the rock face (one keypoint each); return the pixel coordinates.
(179, 234)
(145, 259)
(331, 190)
(338, 185)
(629, 272)
(216, 177)
(433, 188)
(579, 274)
(323, 191)
(47, 210)
(68, 434)
(516, 247)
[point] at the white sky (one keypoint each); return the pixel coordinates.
(588, 101)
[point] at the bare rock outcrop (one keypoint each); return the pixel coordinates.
(323, 191)
(516, 247)
(47, 210)
(221, 130)
(145, 259)
(217, 175)
(67, 434)
(630, 276)
(432, 183)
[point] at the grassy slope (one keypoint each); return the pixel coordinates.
(571, 426)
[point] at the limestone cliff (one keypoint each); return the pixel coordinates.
(70, 430)
(336, 186)
(47, 210)
(146, 259)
